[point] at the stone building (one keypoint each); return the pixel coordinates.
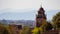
(40, 17)
(41, 20)
(15, 29)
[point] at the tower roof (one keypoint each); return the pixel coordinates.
(41, 8)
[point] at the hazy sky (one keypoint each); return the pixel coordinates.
(30, 4)
(14, 6)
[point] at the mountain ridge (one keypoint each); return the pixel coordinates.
(28, 15)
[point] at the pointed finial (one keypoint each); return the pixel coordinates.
(41, 4)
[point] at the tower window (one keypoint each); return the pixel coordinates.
(39, 16)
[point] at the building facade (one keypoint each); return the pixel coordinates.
(40, 17)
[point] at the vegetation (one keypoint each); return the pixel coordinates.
(25, 30)
(36, 30)
(56, 21)
(48, 26)
(3, 30)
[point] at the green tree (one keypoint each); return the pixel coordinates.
(3, 30)
(25, 30)
(48, 26)
(56, 21)
(36, 30)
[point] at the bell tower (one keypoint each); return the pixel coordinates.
(40, 17)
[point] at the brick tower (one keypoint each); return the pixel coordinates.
(40, 17)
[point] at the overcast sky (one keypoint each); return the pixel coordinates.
(18, 6)
(30, 4)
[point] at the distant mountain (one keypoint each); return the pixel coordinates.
(30, 23)
(23, 18)
(27, 14)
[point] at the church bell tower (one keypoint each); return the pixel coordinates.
(40, 17)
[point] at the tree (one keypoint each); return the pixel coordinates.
(48, 26)
(36, 30)
(56, 21)
(25, 30)
(3, 30)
